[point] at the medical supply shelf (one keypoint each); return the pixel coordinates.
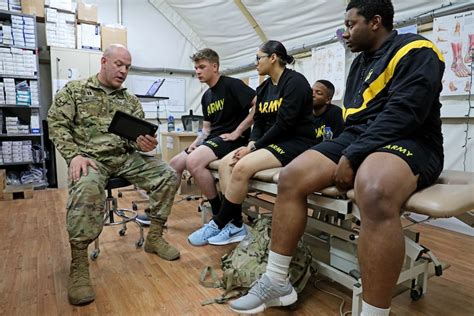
(20, 72)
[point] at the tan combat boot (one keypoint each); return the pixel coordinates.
(79, 290)
(155, 243)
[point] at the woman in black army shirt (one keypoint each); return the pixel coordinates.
(282, 130)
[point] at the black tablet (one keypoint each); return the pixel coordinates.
(130, 127)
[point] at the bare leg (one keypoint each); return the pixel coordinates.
(383, 183)
(225, 171)
(309, 172)
(178, 163)
(196, 163)
(244, 169)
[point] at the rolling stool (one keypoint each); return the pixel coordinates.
(124, 214)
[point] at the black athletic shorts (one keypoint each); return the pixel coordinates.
(287, 150)
(422, 161)
(221, 147)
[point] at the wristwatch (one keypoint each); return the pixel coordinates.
(252, 147)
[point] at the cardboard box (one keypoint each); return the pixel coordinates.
(33, 7)
(113, 34)
(88, 36)
(87, 12)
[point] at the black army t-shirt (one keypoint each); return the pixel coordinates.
(266, 111)
(226, 105)
(283, 111)
(331, 117)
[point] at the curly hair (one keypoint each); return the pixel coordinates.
(369, 8)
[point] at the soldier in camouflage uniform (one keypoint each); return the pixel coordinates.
(79, 118)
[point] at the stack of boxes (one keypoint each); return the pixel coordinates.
(7, 152)
(4, 5)
(13, 126)
(6, 33)
(1, 121)
(23, 95)
(14, 5)
(17, 62)
(88, 30)
(61, 4)
(60, 28)
(23, 31)
(2, 98)
(35, 122)
(88, 36)
(16, 151)
(10, 92)
(34, 93)
(10, 5)
(6, 60)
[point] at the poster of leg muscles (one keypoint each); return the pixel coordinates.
(454, 36)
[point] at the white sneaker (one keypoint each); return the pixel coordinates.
(264, 294)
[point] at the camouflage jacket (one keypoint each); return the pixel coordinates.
(80, 116)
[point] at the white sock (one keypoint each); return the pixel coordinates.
(278, 267)
(369, 310)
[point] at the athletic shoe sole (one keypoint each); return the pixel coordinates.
(189, 242)
(279, 301)
(228, 241)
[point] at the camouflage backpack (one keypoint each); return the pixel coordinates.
(247, 262)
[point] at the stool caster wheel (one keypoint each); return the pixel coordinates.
(134, 206)
(122, 232)
(416, 293)
(139, 244)
(94, 254)
(120, 194)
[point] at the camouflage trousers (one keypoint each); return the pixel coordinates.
(86, 202)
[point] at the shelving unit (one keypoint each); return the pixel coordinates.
(21, 105)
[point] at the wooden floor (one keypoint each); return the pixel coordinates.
(35, 256)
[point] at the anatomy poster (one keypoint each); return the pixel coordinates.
(454, 36)
(329, 64)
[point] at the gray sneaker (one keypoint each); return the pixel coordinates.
(264, 294)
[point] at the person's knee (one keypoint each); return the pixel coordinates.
(194, 163)
(178, 163)
(288, 181)
(241, 171)
(163, 180)
(375, 201)
(87, 189)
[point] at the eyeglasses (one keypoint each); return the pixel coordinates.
(257, 58)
